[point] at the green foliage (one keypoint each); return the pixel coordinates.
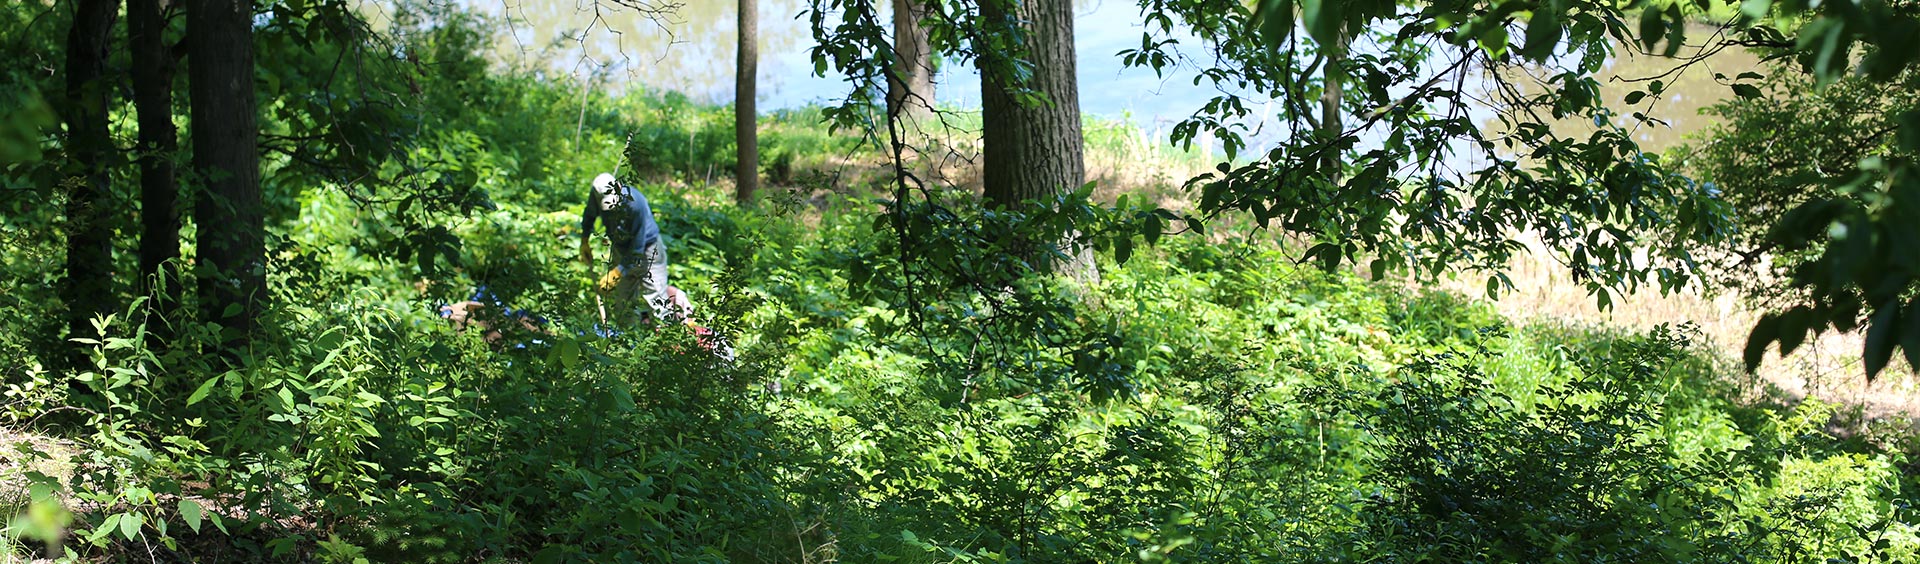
(1223, 405)
(1771, 156)
(940, 397)
(1578, 473)
(1822, 235)
(1848, 241)
(27, 118)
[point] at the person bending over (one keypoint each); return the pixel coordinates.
(637, 281)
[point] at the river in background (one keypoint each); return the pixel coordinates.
(692, 51)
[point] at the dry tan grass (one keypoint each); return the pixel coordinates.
(1124, 163)
(1827, 368)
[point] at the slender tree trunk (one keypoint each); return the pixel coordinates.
(910, 88)
(159, 216)
(229, 212)
(746, 132)
(1034, 152)
(1330, 126)
(88, 291)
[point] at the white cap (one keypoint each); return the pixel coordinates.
(603, 183)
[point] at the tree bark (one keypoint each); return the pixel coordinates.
(89, 285)
(746, 133)
(1330, 126)
(910, 87)
(1034, 151)
(229, 212)
(158, 142)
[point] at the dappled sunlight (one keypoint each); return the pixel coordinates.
(451, 282)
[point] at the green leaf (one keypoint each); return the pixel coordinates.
(622, 399)
(1323, 19)
(1746, 91)
(40, 492)
(1763, 334)
(191, 512)
(570, 354)
(1793, 329)
(550, 554)
(106, 528)
(1634, 97)
(1652, 27)
(1275, 18)
(1328, 253)
(130, 525)
(1543, 34)
(1910, 335)
(1676, 31)
(1881, 336)
(1909, 133)
(1494, 41)
(200, 393)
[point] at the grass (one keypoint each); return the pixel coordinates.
(1827, 368)
(1124, 159)
(1120, 156)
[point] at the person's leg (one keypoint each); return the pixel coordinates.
(654, 285)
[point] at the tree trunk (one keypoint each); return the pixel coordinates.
(746, 134)
(89, 285)
(159, 216)
(910, 87)
(1330, 126)
(229, 212)
(1034, 152)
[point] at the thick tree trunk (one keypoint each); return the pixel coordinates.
(88, 291)
(1034, 152)
(746, 134)
(229, 212)
(159, 216)
(910, 88)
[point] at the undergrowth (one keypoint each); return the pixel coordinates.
(1206, 401)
